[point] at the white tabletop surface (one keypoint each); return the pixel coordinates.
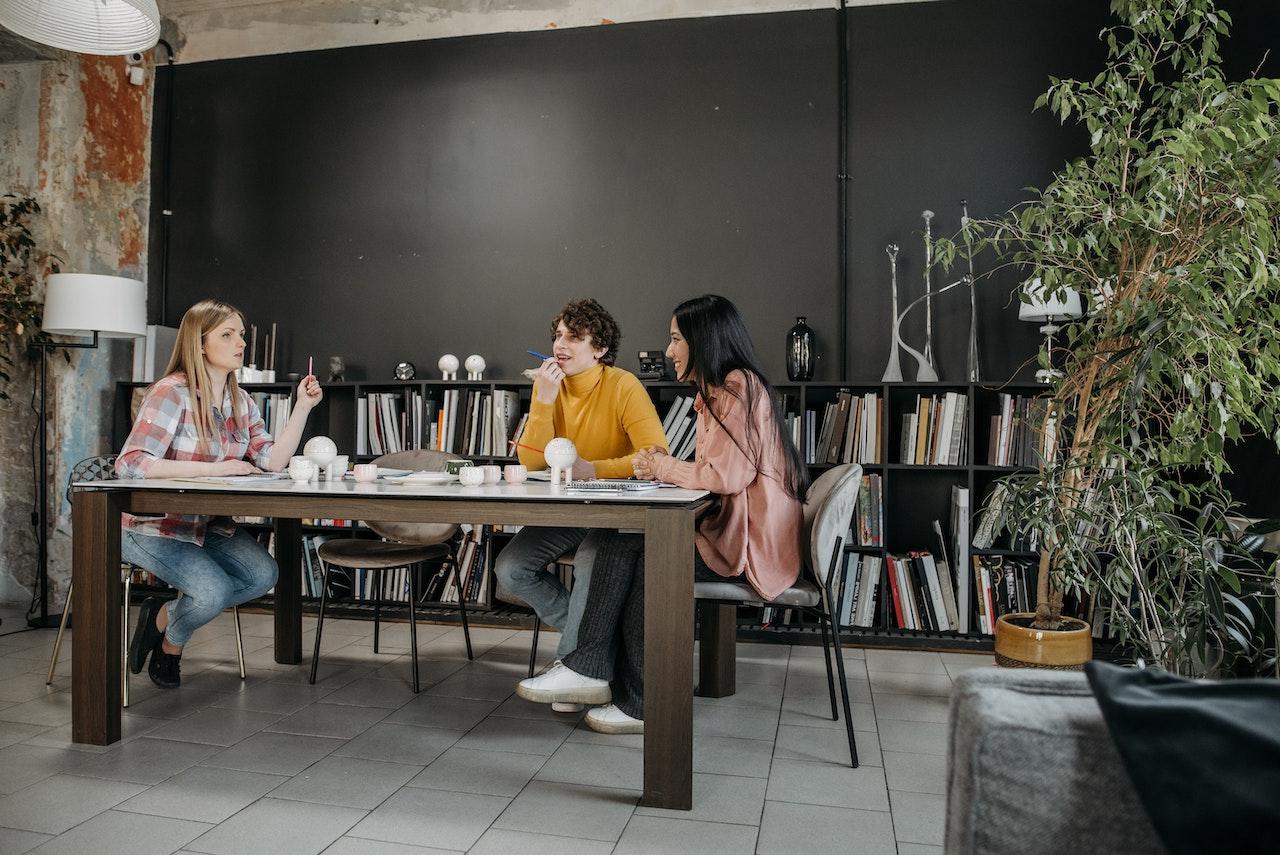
(528, 491)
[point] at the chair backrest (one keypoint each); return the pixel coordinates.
(92, 469)
(407, 532)
(827, 513)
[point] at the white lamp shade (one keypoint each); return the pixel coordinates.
(84, 303)
(104, 27)
(1049, 307)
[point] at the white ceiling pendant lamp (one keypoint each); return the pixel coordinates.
(103, 27)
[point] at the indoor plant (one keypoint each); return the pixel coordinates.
(22, 263)
(1169, 227)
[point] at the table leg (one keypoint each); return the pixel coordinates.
(717, 649)
(668, 659)
(288, 595)
(95, 646)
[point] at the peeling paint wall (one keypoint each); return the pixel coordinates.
(203, 30)
(76, 135)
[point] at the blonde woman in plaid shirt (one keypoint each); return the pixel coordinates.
(180, 432)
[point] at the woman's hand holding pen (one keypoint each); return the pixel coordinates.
(309, 392)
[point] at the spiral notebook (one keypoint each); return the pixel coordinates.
(614, 485)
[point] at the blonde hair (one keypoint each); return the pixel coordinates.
(188, 358)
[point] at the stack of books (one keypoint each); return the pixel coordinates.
(1022, 433)
(935, 434)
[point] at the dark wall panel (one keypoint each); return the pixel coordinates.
(401, 201)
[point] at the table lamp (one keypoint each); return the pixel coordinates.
(1047, 308)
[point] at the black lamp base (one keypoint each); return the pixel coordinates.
(46, 622)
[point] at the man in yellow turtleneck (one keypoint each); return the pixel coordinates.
(580, 394)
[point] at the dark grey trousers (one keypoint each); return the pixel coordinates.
(611, 635)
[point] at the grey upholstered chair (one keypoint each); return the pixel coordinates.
(402, 544)
(827, 513)
(104, 469)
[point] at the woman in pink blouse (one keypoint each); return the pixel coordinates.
(195, 421)
(746, 457)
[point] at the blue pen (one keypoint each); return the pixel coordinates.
(539, 355)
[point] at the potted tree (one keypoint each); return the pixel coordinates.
(1170, 229)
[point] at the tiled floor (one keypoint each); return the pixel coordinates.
(357, 765)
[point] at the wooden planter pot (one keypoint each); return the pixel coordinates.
(1060, 650)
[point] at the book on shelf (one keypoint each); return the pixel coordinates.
(680, 428)
(868, 512)
(478, 422)
(856, 590)
(274, 408)
(846, 430)
(1003, 585)
(959, 555)
(1022, 433)
(936, 433)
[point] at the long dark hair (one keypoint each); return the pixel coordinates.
(719, 344)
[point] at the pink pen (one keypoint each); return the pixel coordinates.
(308, 366)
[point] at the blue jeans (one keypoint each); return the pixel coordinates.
(225, 572)
(522, 569)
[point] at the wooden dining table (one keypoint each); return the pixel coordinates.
(665, 516)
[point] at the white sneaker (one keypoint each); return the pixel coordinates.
(560, 706)
(610, 719)
(561, 683)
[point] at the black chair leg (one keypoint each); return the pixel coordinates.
(377, 605)
(462, 607)
(324, 599)
(413, 626)
(826, 660)
(844, 694)
(533, 651)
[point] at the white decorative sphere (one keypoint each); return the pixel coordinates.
(475, 363)
(448, 363)
(320, 450)
(560, 453)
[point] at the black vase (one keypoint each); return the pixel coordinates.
(800, 352)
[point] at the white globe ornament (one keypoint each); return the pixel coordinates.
(560, 455)
(475, 366)
(320, 450)
(448, 366)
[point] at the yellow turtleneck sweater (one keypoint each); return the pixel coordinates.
(607, 414)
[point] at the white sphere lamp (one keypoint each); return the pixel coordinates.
(320, 450)
(475, 366)
(448, 366)
(560, 455)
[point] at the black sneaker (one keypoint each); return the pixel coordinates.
(165, 668)
(145, 635)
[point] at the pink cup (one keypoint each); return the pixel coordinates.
(515, 473)
(365, 472)
(492, 473)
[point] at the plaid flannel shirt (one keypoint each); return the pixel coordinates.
(166, 430)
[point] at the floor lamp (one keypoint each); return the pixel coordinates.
(81, 305)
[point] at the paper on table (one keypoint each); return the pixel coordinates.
(233, 479)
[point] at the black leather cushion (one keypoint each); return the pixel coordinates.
(375, 554)
(1203, 755)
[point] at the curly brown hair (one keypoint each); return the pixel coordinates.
(586, 317)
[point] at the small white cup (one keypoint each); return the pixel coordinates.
(302, 470)
(471, 476)
(365, 472)
(335, 470)
(492, 473)
(515, 473)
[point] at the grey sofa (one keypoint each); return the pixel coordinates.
(1032, 769)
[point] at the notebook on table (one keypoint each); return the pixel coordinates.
(614, 485)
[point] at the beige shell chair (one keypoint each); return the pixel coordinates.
(104, 469)
(402, 544)
(827, 513)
